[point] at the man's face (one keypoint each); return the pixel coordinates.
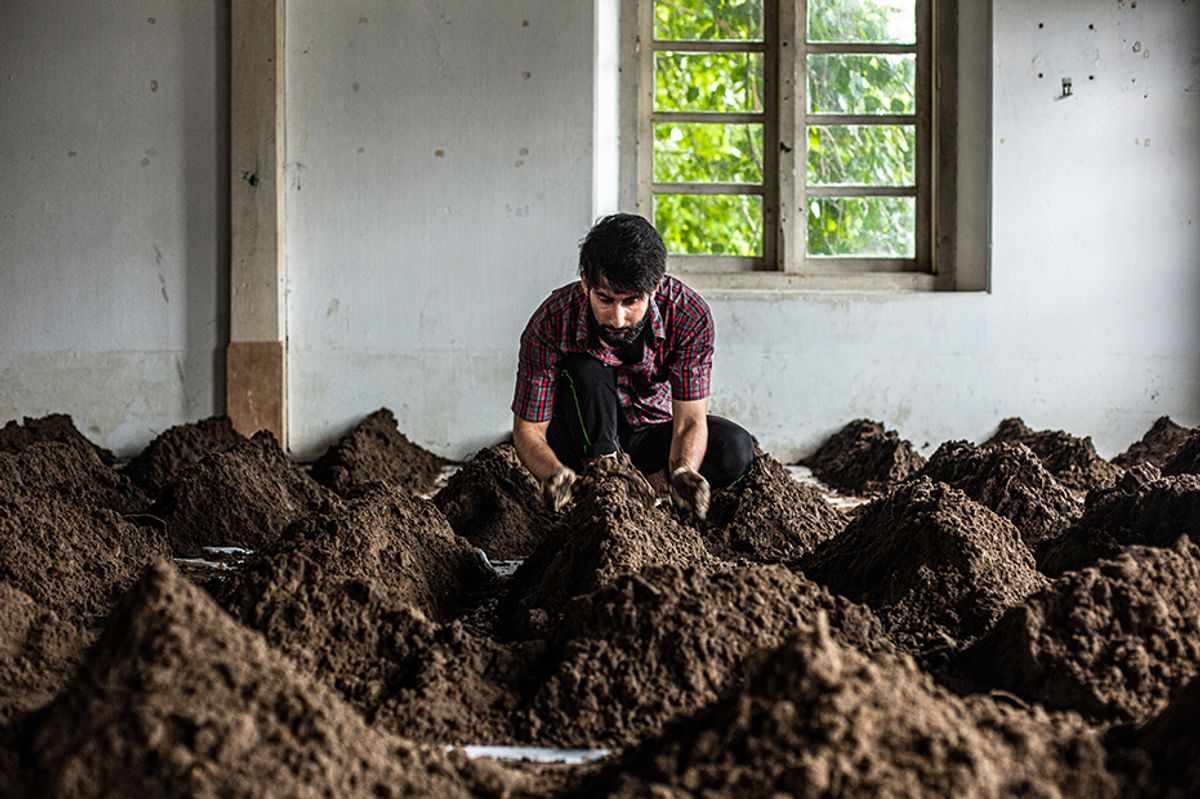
(619, 317)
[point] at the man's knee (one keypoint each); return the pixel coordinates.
(586, 371)
(730, 452)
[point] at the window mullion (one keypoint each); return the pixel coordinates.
(645, 111)
(924, 154)
(792, 146)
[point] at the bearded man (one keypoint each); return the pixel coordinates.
(621, 360)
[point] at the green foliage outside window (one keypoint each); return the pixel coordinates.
(837, 154)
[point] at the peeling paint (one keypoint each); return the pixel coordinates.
(162, 287)
(153, 86)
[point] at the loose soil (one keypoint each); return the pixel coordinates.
(667, 641)
(173, 450)
(816, 718)
(243, 497)
(376, 451)
(1157, 446)
(1011, 481)
(1143, 508)
(1159, 758)
(769, 517)
(1114, 641)
(177, 699)
(495, 503)
(611, 528)
(1073, 461)
(57, 427)
(1186, 459)
(862, 458)
(939, 568)
(71, 472)
(38, 653)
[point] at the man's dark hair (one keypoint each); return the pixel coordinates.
(626, 251)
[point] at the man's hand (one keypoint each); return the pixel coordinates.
(690, 491)
(556, 489)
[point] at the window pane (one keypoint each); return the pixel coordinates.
(862, 226)
(862, 84)
(704, 20)
(704, 153)
(710, 224)
(862, 155)
(725, 82)
(879, 21)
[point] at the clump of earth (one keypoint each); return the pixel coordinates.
(1157, 446)
(1114, 641)
(1186, 458)
(769, 517)
(495, 503)
(864, 458)
(376, 451)
(173, 450)
(1072, 460)
(1009, 479)
(55, 427)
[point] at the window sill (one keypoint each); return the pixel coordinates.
(775, 284)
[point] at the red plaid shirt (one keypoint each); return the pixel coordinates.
(676, 356)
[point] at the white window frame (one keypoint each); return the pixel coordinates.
(939, 185)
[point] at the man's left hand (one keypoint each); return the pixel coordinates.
(690, 491)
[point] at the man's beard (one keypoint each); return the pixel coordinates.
(616, 339)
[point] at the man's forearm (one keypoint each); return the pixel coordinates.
(533, 449)
(689, 442)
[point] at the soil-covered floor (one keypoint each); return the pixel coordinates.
(1019, 617)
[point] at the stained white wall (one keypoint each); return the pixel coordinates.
(439, 160)
(113, 244)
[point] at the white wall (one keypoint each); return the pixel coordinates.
(113, 244)
(439, 160)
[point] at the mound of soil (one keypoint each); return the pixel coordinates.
(611, 528)
(1115, 641)
(939, 568)
(495, 503)
(819, 719)
(38, 653)
(1142, 509)
(377, 452)
(173, 450)
(1186, 459)
(769, 517)
(1011, 481)
(64, 470)
(1157, 446)
(177, 699)
(1073, 461)
(242, 497)
(1160, 757)
(57, 427)
(863, 458)
(668, 641)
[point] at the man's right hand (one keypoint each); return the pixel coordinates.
(557, 488)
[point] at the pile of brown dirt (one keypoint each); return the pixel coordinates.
(38, 653)
(242, 497)
(1114, 642)
(668, 641)
(863, 458)
(377, 452)
(56, 427)
(1159, 758)
(351, 596)
(76, 474)
(173, 450)
(819, 719)
(1073, 461)
(611, 528)
(495, 503)
(1011, 481)
(1157, 446)
(1186, 459)
(939, 568)
(1143, 508)
(769, 517)
(177, 699)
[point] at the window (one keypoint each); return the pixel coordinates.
(788, 140)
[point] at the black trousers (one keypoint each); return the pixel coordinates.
(587, 422)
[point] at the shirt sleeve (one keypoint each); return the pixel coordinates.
(533, 398)
(691, 374)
